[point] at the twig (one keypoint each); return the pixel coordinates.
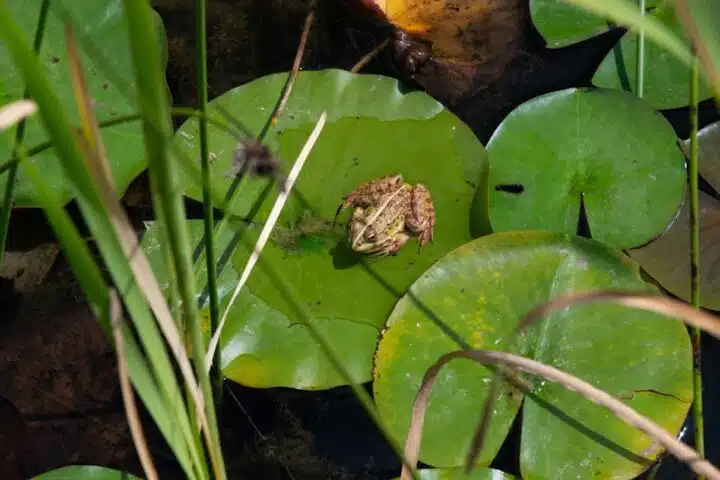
(570, 382)
(128, 396)
(293, 72)
(368, 57)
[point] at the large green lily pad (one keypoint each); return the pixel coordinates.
(261, 347)
(604, 147)
(481, 290)
(667, 80)
(373, 129)
(562, 24)
(85, 472)
(102, 23)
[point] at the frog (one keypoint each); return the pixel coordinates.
(388, 212)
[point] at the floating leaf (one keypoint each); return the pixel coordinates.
(480, 291)
(373, 129)
(260, 347)
(103, 25)
(708, 153)
(667, 80)
(469, 42)
(667, 258)
(458, 31)
(83, 472)
(459, 474)
(563, 24)
(604, 147)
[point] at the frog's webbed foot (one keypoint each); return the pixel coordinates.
(421, 220)
(410, 52)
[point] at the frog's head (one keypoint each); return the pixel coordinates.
(366, 239)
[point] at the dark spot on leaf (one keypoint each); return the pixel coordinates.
(514, 188)
(356, 161)
(471, 184)
(318, 302)
(292, 117)
(105, 86)
(462, 290)
(55, 59)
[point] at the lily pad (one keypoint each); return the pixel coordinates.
(562, 24)
(459, 474)
(102, 24)
(708, 153)
(260, 347)
(373, 129)
(604, 148)
(667, 80)
(480, 291)
(85, 472)
(667, 258)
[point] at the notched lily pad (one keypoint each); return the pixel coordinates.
(604, 148)
(260, 347)
(104, 25)
(667, 80)
(480, 291)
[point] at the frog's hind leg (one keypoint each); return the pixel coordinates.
(421, 220)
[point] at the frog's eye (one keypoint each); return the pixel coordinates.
(370, 234)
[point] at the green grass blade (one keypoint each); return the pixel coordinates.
(701, 19)
(626, 13)
(19, 135)
(201, 66)
(93, 284)
(156, 119)
(54, 119)
(695, 332)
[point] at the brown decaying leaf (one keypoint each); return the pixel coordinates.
(653, 303)
(708, 153)
(667, 258)
(28, 269)
(471, 41)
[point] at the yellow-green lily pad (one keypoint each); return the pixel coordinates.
(481, 290)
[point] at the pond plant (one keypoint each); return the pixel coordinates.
(562, 257)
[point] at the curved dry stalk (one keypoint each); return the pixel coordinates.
(128, 397)
(643, 301)
(265, 233)
(570, 382)
(653, 303)
(295, 67)
(368, 57)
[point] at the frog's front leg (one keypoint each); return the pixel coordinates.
(411, 53)
(421, 218)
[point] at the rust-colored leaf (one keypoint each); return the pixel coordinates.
(471, 41)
